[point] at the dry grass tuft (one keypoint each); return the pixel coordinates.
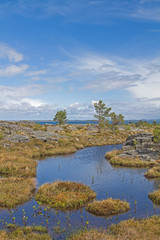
(15, 191)
(65, 195)
(145, 229)
(155, 196)
(92, 234)
(108, 207)
(117, 160)
(153, 173)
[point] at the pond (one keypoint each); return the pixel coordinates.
(87, 166)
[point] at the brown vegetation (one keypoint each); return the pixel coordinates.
(153, 172)
(65, 195)
(15, 191)
(25, 233)
(117, 160)
(108, 207)
(145, 229)
(155, 196)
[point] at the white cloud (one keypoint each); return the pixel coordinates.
(11, 54)
(13, 70)
(36, 73)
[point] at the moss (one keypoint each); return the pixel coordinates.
(64, 195)
(153, 173)
(155, 196)
(15, 191)
(117, 160)
(145, 229)
(108, 207)
(25, 233)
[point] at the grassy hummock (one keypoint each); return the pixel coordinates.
(65, 195)
(92, 234)
(145, 229)
(153, 173)
(108, 207)
(26, 233)
(117, 160)
(155, 196)
(15, 191)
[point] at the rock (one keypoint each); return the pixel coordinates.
(141, 145)
(45, 136)
(17, 138)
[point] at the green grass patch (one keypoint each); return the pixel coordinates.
(65, 195)
(108, 207)
(15, 191)
(155, 196)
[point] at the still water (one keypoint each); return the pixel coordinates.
(87, 166)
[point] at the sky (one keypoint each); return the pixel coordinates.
(68, 54)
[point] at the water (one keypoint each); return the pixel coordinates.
(90, 167)
(92, 121)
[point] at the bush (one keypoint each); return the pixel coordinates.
(156, 133)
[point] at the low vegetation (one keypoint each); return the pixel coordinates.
(15, 191)
(108, 207)
(92, 234)
(14, 232)
(65, 195)
(153, 172)
(117, 160)
(155, 196)
(145, 229)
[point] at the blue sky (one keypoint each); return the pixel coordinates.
(68, 54)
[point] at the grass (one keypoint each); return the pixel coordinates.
(65, 195)
(153, 172)
(155, 196)
(145, 229)
(117, 160)
(108, 207)
(15, 191)
(25, 233)
(92, 234)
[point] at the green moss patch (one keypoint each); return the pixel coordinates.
(117, 160)
(65, 195)
(153, 173)
(25, 233)
(108, 207)
(155, 196)
(14, 191)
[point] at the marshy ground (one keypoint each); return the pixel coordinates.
(22, 144)
(146, 229)
(65, 195)
(108, 207)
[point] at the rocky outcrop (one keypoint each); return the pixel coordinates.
(17, 138)
(141, 145)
